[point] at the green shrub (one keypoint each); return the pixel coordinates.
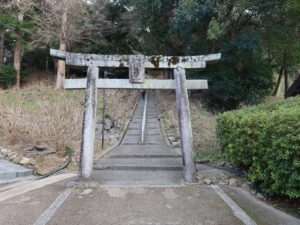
(265, 141)
(7, 76)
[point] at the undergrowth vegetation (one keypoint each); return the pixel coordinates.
(265, 141)
(7, 76)
(203, 123)
(54, 117)
(41, 116)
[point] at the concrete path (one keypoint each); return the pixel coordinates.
(51, 202)
(134, 162)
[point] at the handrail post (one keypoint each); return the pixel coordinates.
(144, 117)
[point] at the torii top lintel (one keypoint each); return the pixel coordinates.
(162, 62)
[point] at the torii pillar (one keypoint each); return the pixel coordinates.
(185, 125)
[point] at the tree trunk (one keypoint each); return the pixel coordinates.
(286, 80)
(282, 69)
(47, 64)
(61, 65)
(1, 47)
(18, 52)
(278, 81)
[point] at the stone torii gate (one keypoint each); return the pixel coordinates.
(136, 65)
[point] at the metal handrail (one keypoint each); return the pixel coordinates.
(144, 117)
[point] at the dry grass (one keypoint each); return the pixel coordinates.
(203, 121)
(57, 123)
(12, 123)
(39, 79)
(121, 103)
(52, 117)
(41, 116)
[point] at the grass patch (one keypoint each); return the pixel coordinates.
(209, 155)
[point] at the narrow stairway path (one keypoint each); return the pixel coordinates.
(134, 162)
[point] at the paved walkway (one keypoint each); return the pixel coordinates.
(134, 162)
(51, 202)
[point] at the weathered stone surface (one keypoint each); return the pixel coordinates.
(148, 84)
(16, 158)
(183, 112)
(233, 182)
(25, 161)
(89, 124)
(207, 181)
(158, 61)
(246, 186)
(260, 196)
(176, 144)
(117, 123)
(136, 68)
(172, 139)
(107, 124)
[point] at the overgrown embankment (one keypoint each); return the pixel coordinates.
(203, 124)
(35, 119)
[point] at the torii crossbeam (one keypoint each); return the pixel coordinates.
(136, 65)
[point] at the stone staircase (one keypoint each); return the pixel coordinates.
(134, 162)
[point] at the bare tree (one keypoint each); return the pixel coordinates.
(64, 21)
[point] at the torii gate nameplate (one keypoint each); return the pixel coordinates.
(136, 65)
(136, 68)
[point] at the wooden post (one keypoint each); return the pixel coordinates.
(183, 111)
(89, 124)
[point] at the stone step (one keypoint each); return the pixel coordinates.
(138, 140)
(144, 150)
(153, 139)
(138, 177)
(137, 131)
(148, 120)
(143, 156)
(132, 139)
(9, 170)
(152, 126)
(142, 144)
(135, 125)
(134, 129)
(148, 117)
(139, 164)
(148, 125)
(148, 114)
(133, 134)
(151, 111)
